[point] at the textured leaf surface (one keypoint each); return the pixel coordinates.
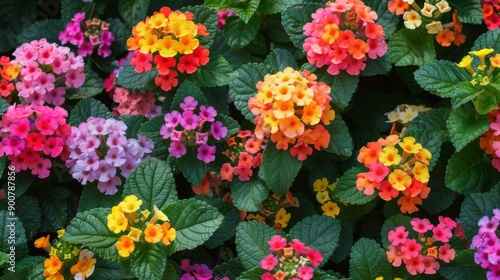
(463, 267)
(368, 260)
(347, 191)
(228, 227)
(132, 80)
(248, 194)
(342, 87)
(294, 18)
(232, 269)
(468, 11)
(341, 142)
(409, 47)
(473, 208)
(490, 39)
(191, 167)
(215, 73)
(86, 108)
(12, 234)
(238, 33)
(280, 168)
(280, 59)
(251, 242)
(276, 6)
(440, 77)
(132, 11)
(48, 29)
(465, 126)
(149, 261)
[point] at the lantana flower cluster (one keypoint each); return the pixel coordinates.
(405, 113)
(245, 155)
(343, 36)
(139, 227)
(169, 40)
(195, 126)
(197, 271)
(222, 16)
(8, 72)
(396, 168)
(87, 35)
(491, 16)
(490, 140)
(429, 16)
(272, 211)
(323, 191)
(33, 136)
(101, 152)
(62, 255)
(290, 260)
(291, 107)
(487, 245)
(421, 255)
(481, 75)
(46, 69)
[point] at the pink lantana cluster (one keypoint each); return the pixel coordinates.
(101, 152)
(32, 136)
(197, 272)
(490, 140)
(342, 36)
(45, 70)
(487, 245)
(222, 17)
(422, 255)
(193, 127)
(290, 260)
(244, 153)
(88, 35)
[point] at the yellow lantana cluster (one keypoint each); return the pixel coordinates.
(323, 188)
(405, 113)
(292, 108)
(272, 211)
(123, 217)
(480, 76)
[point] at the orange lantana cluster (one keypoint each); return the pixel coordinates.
(8, 72)
(291, 108)
(396, 167)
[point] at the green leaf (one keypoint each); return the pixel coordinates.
(347, 191)
(187, 88)
(319, 232)
(204, 15)
(463, 92)
(172, 271)
(280, 168)
(133, 123)
(121, 32)
(4, 105)
(440, 77)
(54, 205)
(215, 73)
(474, 207)
(379, 66)
(248, 195)
(149, 261)
(217, 97)
(228, 227)
(276, 6)
(245, 10)
(462, 267)
(465, 125)
(26, 268)
(132, 11)
(341, 142)
(105, 269)
(48, 29)
(88, 107)
(440, 197)
(254, 273)
(194, 221)
(280, 59)
(488, 40)
(153, 183)
(468, 11)
(151, 129)
(251, 243)
(191, 167)
(238, 33)
(231, 269)
(276, 30)
(132, 80)
(411, 47)
(90, 228)
(386, 19)
(486, 101)
(294, 18)
(368, 260)
(92, 86)
(235, 58)
(69, 8)
(218, 4)
(242, 85)
(469, 170)
(12, 234)
(15, 17)
(343, 87)
(28, 211)
(346, 239)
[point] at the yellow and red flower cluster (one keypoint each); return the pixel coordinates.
(8, 72)
(323, 191)
(123, 217)
(273, 211)
(429, 16)
(61, 254)
(292, 108)
(169, 40)
(395, 167)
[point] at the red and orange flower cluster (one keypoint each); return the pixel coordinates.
(291, 108)
(168, 39)
(342, 36)
(123, 217)
(490, 141)
(8, 72)
(491, 13)
(396, 167)
(244, 153)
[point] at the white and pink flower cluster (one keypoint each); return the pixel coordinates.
(88, 35)
(342, 36)
(487, 245)
(32, 136)
(195, 126)
(45, 70)
(100, 151)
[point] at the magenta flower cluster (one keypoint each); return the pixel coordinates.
(45, 70)
(197, 272)
(100, 151)
(193, 127)
(88, 35)
(420, 255)
(487, 245)
(291, 260)
(32, 136)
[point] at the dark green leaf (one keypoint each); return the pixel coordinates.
(215, 73)
(12, 234)
(54, 205)
(4, 105)
(341, 142)
(231, 269)
(342, 87)
(440, 77)
(132, 11)
(280, 59)
(381, 65)
(294, 18)
(463, 267)
(463, 92)
(411, 47)
(132, 80)
(280, 168)
(488, 40)
(474, 207)
(133, 123)
(191, 167)
(48, 29)
(149, 261)
(187, 88)
(486, 101)
(28, 210)
(251, 243)
(465, 125)
(254, 273)
(235, 58)
(92, 197)
(15, 16)
(468, 11)
(391, 224)
(346, 241)
(249, 194)
(368, 260)
(88, 107)
(228, 227)
(207, 17)
(151, 129)
(105, 269)
(238, 33)
(347, 191)
(276, 6)
(245, 10)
